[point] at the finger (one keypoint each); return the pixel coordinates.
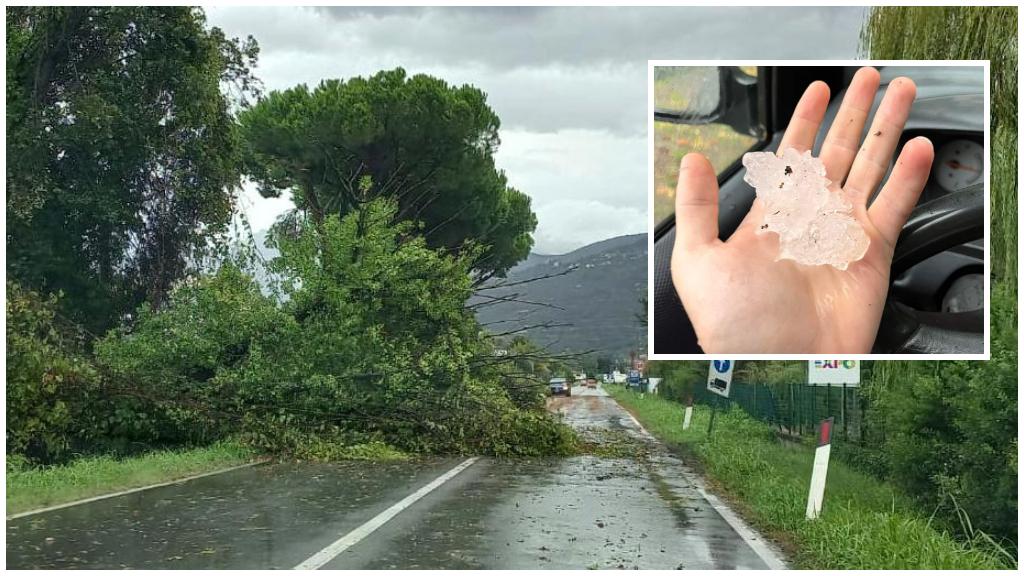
(889, 212)
(873, 159)
(803, 126)
(843, 140)
(696, 203)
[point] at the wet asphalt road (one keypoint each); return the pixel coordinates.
(566, 513)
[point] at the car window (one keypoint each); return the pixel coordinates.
(686, 94)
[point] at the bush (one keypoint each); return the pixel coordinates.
(173, 374)
(48, 381)
(374, 347)
(950, 430)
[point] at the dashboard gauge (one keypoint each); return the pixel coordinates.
(958, 164)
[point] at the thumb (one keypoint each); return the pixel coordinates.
(696, 203)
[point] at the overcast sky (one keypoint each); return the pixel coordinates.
(569, 84)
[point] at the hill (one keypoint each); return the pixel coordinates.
(592, 307)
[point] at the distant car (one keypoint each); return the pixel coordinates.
(591, 383)
(559, 386)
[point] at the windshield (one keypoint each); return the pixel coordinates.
(683, 95)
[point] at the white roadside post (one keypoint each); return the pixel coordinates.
(688, 414)
(818, 474)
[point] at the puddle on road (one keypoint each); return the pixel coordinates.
(268, 516)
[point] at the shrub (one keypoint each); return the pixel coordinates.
(173, 373)
(373, 347)
(950, 430)
(48, 381)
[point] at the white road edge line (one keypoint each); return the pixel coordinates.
(324, 556)
(756, 543)
(130, 491)
(767, 555)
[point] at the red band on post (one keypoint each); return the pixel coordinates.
(825, 432)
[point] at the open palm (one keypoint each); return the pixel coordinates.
(739, 298)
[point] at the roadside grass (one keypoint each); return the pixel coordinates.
(865, 523)
(31, 488)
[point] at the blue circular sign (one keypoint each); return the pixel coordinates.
(722, 365)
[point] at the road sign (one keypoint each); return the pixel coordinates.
(816, 496)
(720, 377)
(688, 413)
(827, 372)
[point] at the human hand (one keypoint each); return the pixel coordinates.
(739, 298)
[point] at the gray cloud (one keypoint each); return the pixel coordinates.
(569, 84)
(544, 69)
(505, 38)
(380, 12)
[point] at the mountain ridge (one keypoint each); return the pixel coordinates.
(591, 308)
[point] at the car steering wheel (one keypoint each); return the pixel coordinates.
(932, 228)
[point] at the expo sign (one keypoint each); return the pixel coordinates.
(833, 372)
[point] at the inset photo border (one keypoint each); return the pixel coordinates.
(759, 294)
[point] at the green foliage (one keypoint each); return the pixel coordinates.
(48, 382)
(967, 33)
(523, 370)
(373, 347)
(29, 488)
(680, 380)
(174, 373)
(950, 429)
(865, 524)
(328, 449)
(417, 140)
(940, 431)
(122, 153)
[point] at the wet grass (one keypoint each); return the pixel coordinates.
(866, 524)
(32, 488)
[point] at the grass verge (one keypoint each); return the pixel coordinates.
(33, 488)
(865, 523)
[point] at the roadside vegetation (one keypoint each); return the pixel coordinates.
(967, 33)
(140, 314)
(866, 523)
(29, 488)
(943, 434)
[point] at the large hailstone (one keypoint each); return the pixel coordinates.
(813, 221)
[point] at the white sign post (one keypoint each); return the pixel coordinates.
(688, 413)
(818, 474)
